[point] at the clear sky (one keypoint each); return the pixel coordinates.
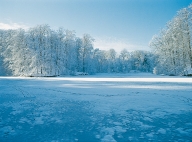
(115, 24)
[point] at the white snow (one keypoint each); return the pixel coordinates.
(103, 107)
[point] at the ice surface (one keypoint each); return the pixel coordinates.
(103, 107)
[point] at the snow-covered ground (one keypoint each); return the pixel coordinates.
(103, 107)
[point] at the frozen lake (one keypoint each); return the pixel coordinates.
(103, 107)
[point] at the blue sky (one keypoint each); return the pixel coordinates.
(115, 24)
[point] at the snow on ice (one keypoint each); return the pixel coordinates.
(103, 107)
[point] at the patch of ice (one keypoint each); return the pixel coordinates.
(117, 123)
(119, 129)
(38, 120)
(189, 124)
(161, 131)
(98, 136)
(150, 134)
(131, 138)
(108, 138)
(108, 135)
(7, 130)
(147, 119)
(181, 131)
(142, 125)
(109, 131)
(24, 120)
(57, 120)
(16, 112)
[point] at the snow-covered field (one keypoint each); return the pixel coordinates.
(106, 108)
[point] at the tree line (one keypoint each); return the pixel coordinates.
(41, 51)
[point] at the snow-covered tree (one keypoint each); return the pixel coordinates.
(173, 45)
(41, 51)
(86, 54)
(125, 64)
